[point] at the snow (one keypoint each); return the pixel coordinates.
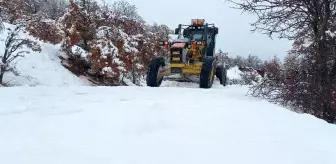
(63, 121)
(331, 34)
(40, 68)
(128, 82)
(79, 51)
(143, 125)
(129, 43)
(45, 69)
(234, 73)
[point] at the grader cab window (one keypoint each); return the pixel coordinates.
(197, 36)
(193, 34)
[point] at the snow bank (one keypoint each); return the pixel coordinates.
(42, 68)
(331, 34)
(144, 125)
(234, 73)
(79, 51)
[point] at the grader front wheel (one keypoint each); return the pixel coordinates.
(207, 75)
(153, 78)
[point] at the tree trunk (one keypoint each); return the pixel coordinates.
(86, 45)
(2, 72)
(133, 75)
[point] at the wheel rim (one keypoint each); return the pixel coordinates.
(212, 73)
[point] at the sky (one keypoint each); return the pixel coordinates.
(234, 37)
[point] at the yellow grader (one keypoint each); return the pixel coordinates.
(190, 57)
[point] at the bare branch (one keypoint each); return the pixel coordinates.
(308, 78)
(12, 45)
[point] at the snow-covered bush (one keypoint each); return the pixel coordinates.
(250, 78)
(44, 30)
(116, 46)
(104, 43)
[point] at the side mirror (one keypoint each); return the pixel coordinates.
(216, 30)
(177, 31)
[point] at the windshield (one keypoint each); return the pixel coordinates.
(194, 34)
(197, 36)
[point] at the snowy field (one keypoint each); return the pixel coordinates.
(64, 121)
(166, 125)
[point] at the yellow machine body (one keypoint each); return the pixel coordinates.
(188, 58)
(189, 69)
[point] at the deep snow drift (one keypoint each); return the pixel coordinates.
(40, 68)
(166, 125)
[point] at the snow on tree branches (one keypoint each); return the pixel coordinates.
(105, 43)
(14, 49)
(308, 77)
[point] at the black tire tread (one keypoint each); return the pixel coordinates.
(152, 73)
(206, 72)
(221, 74)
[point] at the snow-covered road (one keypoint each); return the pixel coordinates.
(166, 125)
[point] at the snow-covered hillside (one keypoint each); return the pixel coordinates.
(40, 68)
(45, 69)
(128, 125)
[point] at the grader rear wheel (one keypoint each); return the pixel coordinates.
(221, 74)
(207, 75)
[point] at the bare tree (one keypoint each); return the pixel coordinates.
(254, 61)
(54, 9)
(1, 17)
(270, 85)
(307, 23)
(13, 45)
(124, 8)
(20, 10)
(1, 24)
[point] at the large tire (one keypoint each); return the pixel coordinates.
(207, 75)
(224, 78)
(152, 78)
(221, 74)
